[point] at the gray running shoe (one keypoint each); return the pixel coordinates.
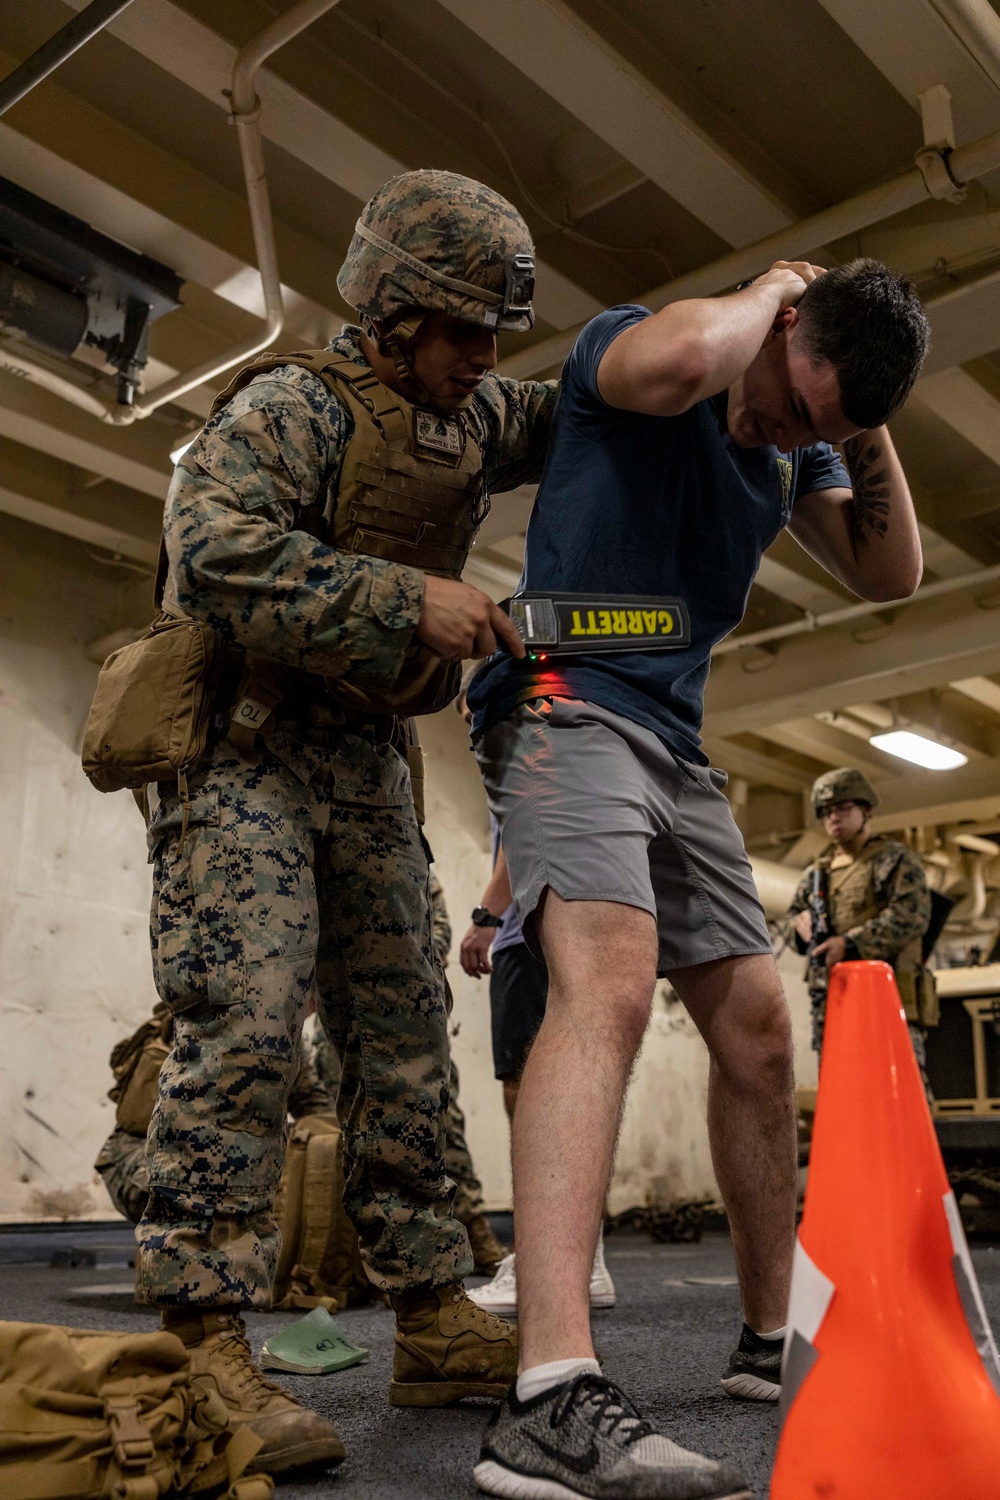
(754, 1372)
(585, 1439)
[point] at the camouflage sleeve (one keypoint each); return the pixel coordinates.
(902, 885)
(440, 923)
(516, 417)
(308, 1096)
(239, 561)
(800, 901)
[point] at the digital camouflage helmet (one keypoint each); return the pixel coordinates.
(432, 241)
(843, 785)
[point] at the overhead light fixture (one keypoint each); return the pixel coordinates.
(176, 454)
(917, 748)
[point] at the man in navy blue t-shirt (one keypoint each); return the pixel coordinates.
(684, 442)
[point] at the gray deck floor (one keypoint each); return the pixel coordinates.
(666, 1343)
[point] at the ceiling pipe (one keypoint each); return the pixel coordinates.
(55, 51)
(976, 27)
(938, 173)
(14, 363)
(246, 117)
(245, 111)
(809, 621)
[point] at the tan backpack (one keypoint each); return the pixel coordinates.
(136, 1064)
(94, 1415)
(320, 1264)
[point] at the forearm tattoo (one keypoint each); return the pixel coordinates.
(870, 479)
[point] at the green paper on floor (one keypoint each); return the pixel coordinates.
(312, 1345)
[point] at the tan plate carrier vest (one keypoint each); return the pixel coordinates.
(411, 491)
(851, 898)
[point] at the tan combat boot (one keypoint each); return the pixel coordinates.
(448, 1348)
(487, 1251)
(294, 1437)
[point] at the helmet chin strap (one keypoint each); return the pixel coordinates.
(397, 345)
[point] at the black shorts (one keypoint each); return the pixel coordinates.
(519, 986)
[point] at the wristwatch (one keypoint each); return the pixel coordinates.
(483, 917)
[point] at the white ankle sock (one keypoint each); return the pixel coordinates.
(779, 1333)
(544, 1377)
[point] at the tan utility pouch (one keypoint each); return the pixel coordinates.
(319, 1264)
(151, 710)
(94, 1415)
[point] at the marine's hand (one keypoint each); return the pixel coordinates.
(804, 925)
(474, 954)
(458, 621)
(790, 277)
(832, 951)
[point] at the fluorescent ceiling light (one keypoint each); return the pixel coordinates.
(919, 749)
(176, 454)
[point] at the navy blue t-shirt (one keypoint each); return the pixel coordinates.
(633, 504)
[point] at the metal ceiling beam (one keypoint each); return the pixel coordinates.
(55, 495)
(52, 53)
(966, 406)
(941, 714)
(914, 50)
(796, 588)
(927, 645)
(965, 323)
(83, 528)
(826, 743)
(36, 419)
(762, 770)
(980, 690)
(200, 58)
(932, 797)
(551, 45)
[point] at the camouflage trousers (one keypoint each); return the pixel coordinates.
(468, 1201)
(288, 886)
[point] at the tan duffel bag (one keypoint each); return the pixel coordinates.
(320, 1264)
(114, 1416)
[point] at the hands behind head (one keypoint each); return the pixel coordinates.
(791, 277)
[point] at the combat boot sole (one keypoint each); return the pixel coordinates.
(444, 1392)
(321, 1453)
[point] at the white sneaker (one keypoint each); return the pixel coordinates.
(499, 1296)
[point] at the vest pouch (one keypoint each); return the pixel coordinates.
(150, 714)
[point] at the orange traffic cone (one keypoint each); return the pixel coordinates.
(890, 1382)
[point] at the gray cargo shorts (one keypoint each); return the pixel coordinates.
(599, 809)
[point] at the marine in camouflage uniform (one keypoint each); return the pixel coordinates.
(295, 866)
(878, 900)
